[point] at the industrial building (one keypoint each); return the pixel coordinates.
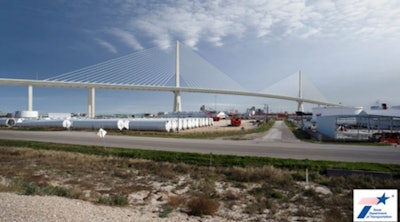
(355, 123)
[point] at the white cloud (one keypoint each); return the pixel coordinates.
(212, 21)
(106, 45)
(126, 37)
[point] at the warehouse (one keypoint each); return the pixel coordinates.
(355, 123)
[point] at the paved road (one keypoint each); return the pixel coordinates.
(275, 143)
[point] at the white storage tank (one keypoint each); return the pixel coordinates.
(9, 122)
(151, 124)
(95, 124)
(44, 123)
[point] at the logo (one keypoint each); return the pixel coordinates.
(375, 205)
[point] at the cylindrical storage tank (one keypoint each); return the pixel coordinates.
(208, 121)
(42, 123)
(123, 124)
(27, 114)
(196, 123)
(180, 124)
(3, 121)
(193, 121)
(67, 123)
(184, 124)
(174, 124)
(211, 121)
(95, 124)
(9, 122)
(150, 124)
(190, 123)
(202, 122)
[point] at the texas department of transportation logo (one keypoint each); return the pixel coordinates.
(375, 205)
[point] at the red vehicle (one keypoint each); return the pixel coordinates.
(388, 137)
(235, 121)
(216, 118)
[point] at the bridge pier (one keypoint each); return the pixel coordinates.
(30, 97)
(177, 101)
(91, 103)
(177, 93)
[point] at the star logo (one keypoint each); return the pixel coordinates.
(368, 207)
(382, 199)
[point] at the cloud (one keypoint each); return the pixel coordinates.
(107, 45)
(201, 21)
(126, 37)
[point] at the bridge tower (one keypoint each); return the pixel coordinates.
(300, 106)
(177, 93)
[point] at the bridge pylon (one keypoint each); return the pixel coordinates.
(300, 107)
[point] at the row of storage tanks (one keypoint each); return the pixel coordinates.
(162, 124)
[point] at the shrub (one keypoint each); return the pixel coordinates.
(30, 188)
(113, 200)
(274, 194)
(199, 206)
(231, 195)
(56, 191)
(166, 210)
(175, 201)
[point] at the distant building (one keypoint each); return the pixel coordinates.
(59, 115)
(355, 123)
(27, 114)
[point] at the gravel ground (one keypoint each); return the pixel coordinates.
(21, 208)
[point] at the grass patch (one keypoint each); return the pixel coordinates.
(204, 159)
(30, 188)
(299, 133)
(165, 211)
(114, 200)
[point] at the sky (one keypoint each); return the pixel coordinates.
(348, 50)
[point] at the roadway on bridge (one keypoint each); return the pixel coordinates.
(274, 143)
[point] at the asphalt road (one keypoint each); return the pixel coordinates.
(277, 142)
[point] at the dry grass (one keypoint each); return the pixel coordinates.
(175, 201)
(255, 192)
(199, 206)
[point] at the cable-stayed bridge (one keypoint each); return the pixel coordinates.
(154, 69)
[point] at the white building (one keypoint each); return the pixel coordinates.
(355, 123)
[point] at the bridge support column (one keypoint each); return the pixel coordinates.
(30, 98)
(91, 103)
(177, 101)
(177, 93)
